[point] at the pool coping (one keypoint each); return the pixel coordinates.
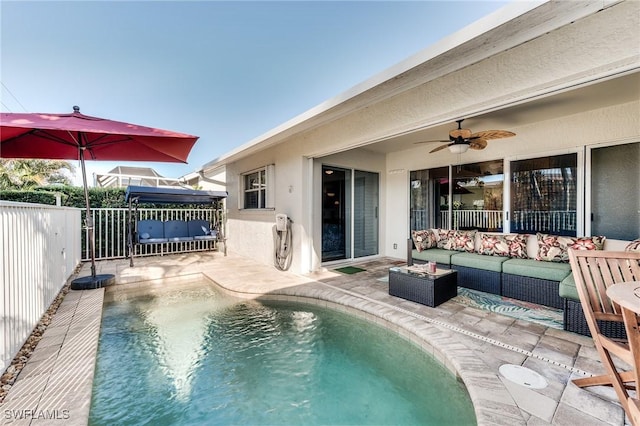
(46, 392)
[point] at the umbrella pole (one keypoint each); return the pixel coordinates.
(93, 281)
(88, 219)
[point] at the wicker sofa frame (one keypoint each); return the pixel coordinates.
(478, 279)
(534, 290)
(528, 289)
(575, 321)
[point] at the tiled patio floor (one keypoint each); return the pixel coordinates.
(55, 385)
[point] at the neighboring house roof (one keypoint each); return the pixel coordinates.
(497, 34)
(123, 176)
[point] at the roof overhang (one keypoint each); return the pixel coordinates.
(511, 26)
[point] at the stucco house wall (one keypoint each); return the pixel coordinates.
(527, 67)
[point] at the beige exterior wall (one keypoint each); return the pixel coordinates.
(251, 232)
(215, 181)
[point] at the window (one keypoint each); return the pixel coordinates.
(256, 189)
(477, 194)
(615, 199)
(475, 201)
(427, 197)
(544, 195)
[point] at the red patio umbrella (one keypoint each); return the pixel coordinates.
(77, 136)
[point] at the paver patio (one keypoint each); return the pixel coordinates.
(55, 385)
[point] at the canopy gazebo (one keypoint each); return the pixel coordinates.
(163, 231)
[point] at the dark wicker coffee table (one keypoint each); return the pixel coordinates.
(421, 287)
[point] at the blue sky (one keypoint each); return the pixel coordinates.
(225, 71)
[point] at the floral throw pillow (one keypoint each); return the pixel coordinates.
(517, 245)
(509, 245)
(633, 245)
(423, 239)
(554, 248)
(493, 245)
(445, 238)
(464, 241)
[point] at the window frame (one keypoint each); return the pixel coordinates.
(582, 210)
(265, 202)
(588, 184)
(580, 185)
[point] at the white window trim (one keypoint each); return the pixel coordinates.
(580, 184)
(587, 176)
(269, 201)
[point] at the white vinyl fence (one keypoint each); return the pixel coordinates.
(40, 249)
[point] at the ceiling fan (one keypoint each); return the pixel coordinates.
(460, 140)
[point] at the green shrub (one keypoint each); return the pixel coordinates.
(71, 196)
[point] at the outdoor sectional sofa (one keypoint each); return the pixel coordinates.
(532, 268)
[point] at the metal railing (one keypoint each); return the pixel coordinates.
(118, 180)
(111, 232)
(40, 249)
(472, 219)
(562, 222)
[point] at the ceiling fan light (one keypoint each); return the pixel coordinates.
(458, 148)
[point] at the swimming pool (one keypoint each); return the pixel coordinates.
(197, 356)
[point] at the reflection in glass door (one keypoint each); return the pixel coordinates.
(349, 213)
(336, 195)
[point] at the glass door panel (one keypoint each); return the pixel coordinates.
(336, 189)
(477, 196)
(544, 195)
(428, 198)
(615, 198)
(365, 218)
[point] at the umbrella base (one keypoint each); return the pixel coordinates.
(91, 282)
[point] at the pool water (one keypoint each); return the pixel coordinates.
(196, 356)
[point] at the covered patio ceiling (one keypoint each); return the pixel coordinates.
(615, 91)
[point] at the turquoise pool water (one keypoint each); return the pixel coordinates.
(196, 356)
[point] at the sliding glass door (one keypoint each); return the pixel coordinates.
(349, 213)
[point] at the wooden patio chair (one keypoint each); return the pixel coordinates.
(634, 411)
(632, 322)
(594, 271)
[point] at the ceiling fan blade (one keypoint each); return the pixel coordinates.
(440, 147)
(440, 140)
(478, 144)
(493, 134)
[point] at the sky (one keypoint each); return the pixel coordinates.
(227, 72)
